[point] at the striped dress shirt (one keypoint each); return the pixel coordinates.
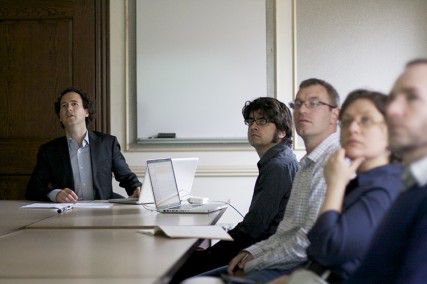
(287, 247)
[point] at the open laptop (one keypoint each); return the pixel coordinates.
(184, 168)
(165, 190)
(146, 196)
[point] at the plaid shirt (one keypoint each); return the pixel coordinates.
(287, 247)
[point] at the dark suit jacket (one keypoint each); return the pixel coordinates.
(53, 169)
(398, 253)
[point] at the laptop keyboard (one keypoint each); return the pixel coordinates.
(188, 206)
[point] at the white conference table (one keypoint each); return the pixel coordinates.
(13, 218)
(91, 252)
(122, 216)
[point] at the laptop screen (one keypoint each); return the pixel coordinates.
(163, 183)
(184, 169)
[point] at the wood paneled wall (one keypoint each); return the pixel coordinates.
(46, 46)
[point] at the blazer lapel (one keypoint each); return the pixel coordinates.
(64, 155)
(94, 149)
(94, 155)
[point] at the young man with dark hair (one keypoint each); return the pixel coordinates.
(78, 166)
(269, 124)
(315, 116)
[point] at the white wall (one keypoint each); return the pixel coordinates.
(222, 173)
(355, 54)
(359, 44)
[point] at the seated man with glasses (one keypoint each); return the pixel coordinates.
(311, 103)
(270, 132)
(362, 183)
(315, 116)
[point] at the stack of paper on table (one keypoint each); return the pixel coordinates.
(60, 206)
(196, 232)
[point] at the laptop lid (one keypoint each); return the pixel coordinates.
(185, 169)
(163, 183)
(145, 197)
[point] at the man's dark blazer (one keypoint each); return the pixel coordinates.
(53, 169)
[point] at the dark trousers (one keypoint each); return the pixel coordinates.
(218, 255)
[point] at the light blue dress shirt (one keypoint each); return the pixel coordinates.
(82, 170)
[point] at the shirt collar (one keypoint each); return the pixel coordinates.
(271, 153)
(418, 170)
(85, 141)
(319, 151)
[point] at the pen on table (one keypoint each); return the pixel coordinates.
(64, 209)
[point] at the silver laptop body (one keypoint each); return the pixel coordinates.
(165, 190)
(184, 168)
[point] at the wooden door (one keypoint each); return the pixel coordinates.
(46, 46)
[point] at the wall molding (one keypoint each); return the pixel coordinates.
(212, 171)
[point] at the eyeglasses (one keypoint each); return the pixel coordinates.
(363, 122)
(259, 121)
(310, 104)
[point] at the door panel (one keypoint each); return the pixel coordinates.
(36, 58)
(45, 46)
